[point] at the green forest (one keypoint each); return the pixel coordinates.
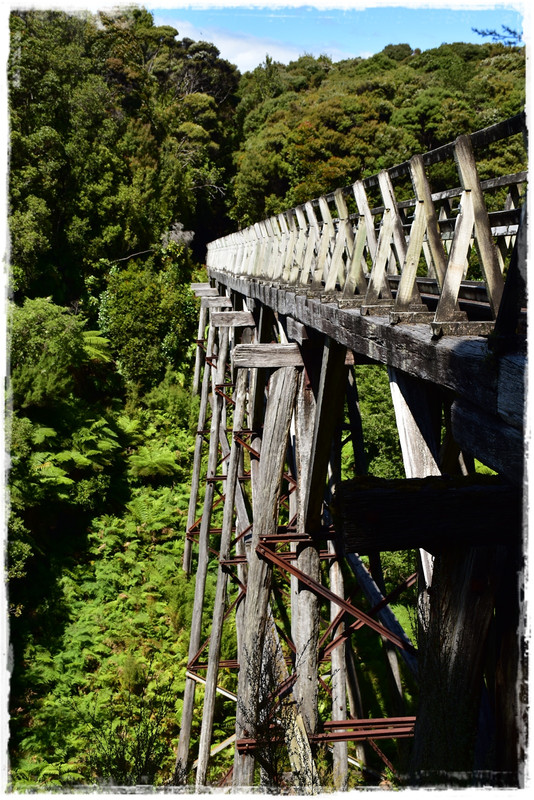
(130, 149)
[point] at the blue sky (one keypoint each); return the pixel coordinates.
(245, 32)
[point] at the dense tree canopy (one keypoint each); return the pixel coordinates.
(312, 125)
(116, 134)
(130, 149)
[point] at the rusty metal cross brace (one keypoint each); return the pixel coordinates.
(265, 552)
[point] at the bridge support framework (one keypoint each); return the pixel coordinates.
(273, 426)
(291, 304)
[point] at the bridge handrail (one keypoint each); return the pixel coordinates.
(372, 257)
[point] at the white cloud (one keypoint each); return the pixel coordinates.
(244, 50)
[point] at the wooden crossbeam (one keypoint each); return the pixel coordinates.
(234, 319)
(267, 355)
(430, 513)
(216, 302)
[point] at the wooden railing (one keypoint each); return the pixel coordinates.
(436, 257)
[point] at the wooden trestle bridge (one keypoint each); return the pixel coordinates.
(432, 285)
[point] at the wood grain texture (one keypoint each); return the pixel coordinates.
(429, 513)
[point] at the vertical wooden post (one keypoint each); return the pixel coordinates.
(338, 667)
(452, 653)
(306, 608)
(202, 567)
(329, 402)
(199, 441)
(355, 422)
(467, 169)
(282, 390)
(418, 411)
(199, 358)
(339, 680)
(220, 593)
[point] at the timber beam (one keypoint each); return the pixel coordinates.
(466, 365)
(234, 319)
(433, 513)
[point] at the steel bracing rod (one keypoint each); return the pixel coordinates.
(337, 619)
(366, 724)
(268, 554)
(194, 661)
(356, 730)
(373, 612)
(362, 736)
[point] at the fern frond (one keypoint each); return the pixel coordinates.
(96, 346)
(40, 433)
(75, 456)
(153, 462)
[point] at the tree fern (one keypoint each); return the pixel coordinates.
(40, 434)
(96, 346)
(153, 462)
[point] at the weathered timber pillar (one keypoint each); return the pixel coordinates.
(258, 379)
(417, 407)
(374, 557)
(199, 441)
(282, 390)
(338, 666)
(199, 356)
(222, 579)
(452, 654)
(306, 625)
(511, 692)
(418, 413)
(339, 678)
(202, 567)
(356, 427)
(329, 405)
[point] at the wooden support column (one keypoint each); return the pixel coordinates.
(329, 405)
(220, 593)
(199, 441)
(452, 652)
(418, 414)
(202, 567)
(294, 731)
(199, 355)
(511, 670)
(306, 608)
(338, 666)
(356, 428)
(339, 680)
(282, 390)
(265, 321)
